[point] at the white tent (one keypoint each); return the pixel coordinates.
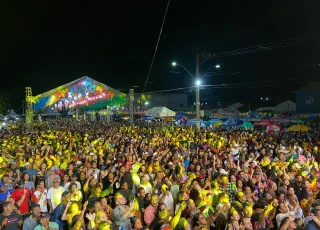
(220, 111)
(161, 112)
(286, 106)
(11, 113)
(235, 106)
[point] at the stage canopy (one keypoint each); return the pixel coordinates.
(84, 93)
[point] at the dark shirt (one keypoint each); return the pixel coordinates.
(13, 220)
(311, 226)
(194, 194)
(57, 214)
(300, 191)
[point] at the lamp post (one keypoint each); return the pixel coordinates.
(198, 104)
(198, 82)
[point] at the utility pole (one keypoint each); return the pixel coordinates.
(205, 57)
(197, 93)
(131, 100)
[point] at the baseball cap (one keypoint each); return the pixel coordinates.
(27, 164)
(91, 154)
(20, 182)
(223, 172)
(2, 185)
(44, 215)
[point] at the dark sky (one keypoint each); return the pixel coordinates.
(44, 45)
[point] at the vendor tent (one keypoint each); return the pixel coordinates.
(11, 113)
(194, 122)
(247, 125)
(160, 112)
(232, 122)
(265, 122)
(182, 118)
(286, 106)
(213, 121)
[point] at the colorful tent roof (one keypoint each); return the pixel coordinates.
(265, 122)
(82, 93)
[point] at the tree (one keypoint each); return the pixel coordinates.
(4, 101)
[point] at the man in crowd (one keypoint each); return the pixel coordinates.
(32, 221)
(10, 219)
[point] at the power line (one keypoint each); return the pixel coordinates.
(155, 51)
(166, 90)
(273, 45)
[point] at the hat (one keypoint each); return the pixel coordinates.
(91, 154)
(27, 164)
(170, 163)
(222, 171)
(2, 185)
(44, 215)
(57, 180)
(20, 182)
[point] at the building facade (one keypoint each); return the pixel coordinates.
(308, 98)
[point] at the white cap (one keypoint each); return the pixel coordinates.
(27, 163)
(91, 154)
(222, 171)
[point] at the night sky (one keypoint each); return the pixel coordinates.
(45, 45)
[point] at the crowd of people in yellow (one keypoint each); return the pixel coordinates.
(67, 174)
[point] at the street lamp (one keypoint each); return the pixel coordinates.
(146, 103)
(218, 66)
(174, 64)
(198, 82)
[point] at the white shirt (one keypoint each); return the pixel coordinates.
(147, 187)
(168, 200)
(55, 196)
(43, 200)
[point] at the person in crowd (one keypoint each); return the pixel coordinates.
(39, 196)
(22, 195)
(59, 210)
(10, 219)
(30, 171)
(32, 221)
(54, 195)
(121, 213)
(45, 222)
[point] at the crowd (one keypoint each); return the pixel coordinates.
(69, 174)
